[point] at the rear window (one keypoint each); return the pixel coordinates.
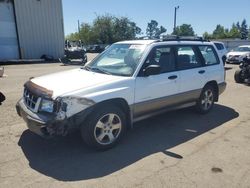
(209, 55)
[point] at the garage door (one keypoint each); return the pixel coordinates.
(8, 35)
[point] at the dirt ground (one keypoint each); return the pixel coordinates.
(176, 149)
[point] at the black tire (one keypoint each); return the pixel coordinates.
(237, 76)
(206, 100)
(99, 125)
(65, 61)
(224, 58)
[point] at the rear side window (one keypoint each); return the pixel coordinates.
(187, 58)
(209, 55)
(219, 46)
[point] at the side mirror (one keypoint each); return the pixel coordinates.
(152, 70)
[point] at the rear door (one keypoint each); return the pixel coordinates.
(212, 64)
(191, 70)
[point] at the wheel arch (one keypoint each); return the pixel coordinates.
(214, 84)
(122, 104)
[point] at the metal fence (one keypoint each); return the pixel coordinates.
(230, 44)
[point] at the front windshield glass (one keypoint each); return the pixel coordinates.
(242, 49)
(118, 59)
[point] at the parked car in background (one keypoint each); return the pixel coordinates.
(128, 82)
(222, 50)
(95, 49)
(74, 53)
(238, 54)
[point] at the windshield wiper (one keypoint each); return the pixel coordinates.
(95, 69)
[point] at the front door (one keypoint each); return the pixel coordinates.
(153, 92)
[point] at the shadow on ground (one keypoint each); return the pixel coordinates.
(228, 68)
(68, 159)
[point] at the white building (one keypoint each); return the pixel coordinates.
(30, 29)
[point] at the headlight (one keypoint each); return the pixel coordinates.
(47, 106)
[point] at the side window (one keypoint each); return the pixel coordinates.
(162, 56)
(219, 46)
(209, 55)
(187, 58)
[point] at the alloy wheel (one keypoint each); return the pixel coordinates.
(207, 100)
(108, 129)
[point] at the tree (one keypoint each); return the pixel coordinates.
(103, 29)
(73, 37)
(219, 32)
(249, 33)
(124, 29)
(106, 29)
(243, 29)
(184, 30)
(234, 32)
(86, 34)
(207, 36)
(153, 31)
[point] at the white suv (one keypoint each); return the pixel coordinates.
(222, 50)
(130, 81)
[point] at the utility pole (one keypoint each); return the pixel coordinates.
(175, 11)
(78, 27)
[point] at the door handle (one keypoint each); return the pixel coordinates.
(202, 71)
(172, 77)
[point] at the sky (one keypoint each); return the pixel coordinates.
(203, 15)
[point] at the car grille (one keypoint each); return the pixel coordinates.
(31, 100)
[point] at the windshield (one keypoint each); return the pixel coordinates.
(242, 49)
(118, 59)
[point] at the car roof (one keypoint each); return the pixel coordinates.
(171, 42)
(143, 42)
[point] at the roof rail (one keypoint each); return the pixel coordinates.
(182, 38)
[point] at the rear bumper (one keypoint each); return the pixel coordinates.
(222, 87)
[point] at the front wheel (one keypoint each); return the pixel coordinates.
(206, 101)
(104, 127)
(237, 76)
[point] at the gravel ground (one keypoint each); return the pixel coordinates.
(176, 149)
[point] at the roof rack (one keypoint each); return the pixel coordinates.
(182, 38)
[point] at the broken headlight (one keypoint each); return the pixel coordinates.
(47, 106)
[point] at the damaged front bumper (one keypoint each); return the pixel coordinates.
(46, 125)
(38, 123)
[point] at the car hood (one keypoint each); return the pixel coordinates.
(237, 53)
(69, 81)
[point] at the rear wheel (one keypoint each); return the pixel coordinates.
(104, 128)
(206, 101)
(237, 76)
